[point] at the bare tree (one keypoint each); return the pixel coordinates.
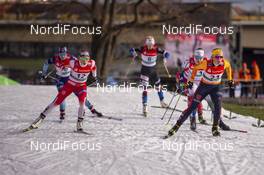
(104, 14)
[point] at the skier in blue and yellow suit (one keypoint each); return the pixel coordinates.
(210, 85)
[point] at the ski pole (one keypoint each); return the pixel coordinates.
(169, 105)
(53, 78)
(91, 84)
(174, 109)
(48, 75)
(166, 68)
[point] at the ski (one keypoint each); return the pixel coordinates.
(238, 130)
(166, 137)
(82, 132)
(207, 124)
(229, 117)
(108, 117)
(170, 108)
(28, 129)
(194, 130)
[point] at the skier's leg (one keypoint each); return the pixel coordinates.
(92, 109)
(89, 105)
(158, 87)
(199, 95)
(60, 83)
(81, 93)
(216, 97)
(222, 125)
(65, 91)
(144, 80)
(145, 100)
(193, 115)
(159, 90)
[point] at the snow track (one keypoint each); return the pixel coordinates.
(131, 146)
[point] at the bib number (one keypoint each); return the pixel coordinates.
(81, 76)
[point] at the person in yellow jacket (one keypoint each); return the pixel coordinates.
(255, 76)
(255, 71)
(245, 77)
(213, 68)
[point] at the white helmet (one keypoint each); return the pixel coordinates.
(198, 55)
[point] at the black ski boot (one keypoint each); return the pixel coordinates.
(215, 131)
(98, 114)
(173, 130)
(79, 124)
(62, 115)
(201, 119)
(193, 123)
(223, 126)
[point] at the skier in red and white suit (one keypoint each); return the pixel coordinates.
(80, 70)
(187, 72)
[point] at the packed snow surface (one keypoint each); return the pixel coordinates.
(131, 146)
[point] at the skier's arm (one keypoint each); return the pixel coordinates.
(94, 74)
(46, 66)
(228, 69)
(201, 66)
(166, 55)
(133, 51)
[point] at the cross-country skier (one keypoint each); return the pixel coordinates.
(187, 72)
(80, 70)
(61, 62)
(210, 85)
(149, 53)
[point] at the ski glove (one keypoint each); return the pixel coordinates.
(166, 55)
(189, 84)
(231, 84)
(133, 52)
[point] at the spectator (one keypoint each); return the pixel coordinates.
(255, 76)
(244, 76)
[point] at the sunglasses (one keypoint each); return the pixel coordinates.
(62, 55)
(84, 58)
(218, 57)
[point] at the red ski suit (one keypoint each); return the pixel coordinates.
(76, 82)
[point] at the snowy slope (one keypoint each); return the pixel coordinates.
(131, 146)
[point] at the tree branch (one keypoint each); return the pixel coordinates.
(156, 7)
(105, 12)
(155, 21)
(111, 13)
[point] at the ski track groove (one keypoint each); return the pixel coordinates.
(131, 146)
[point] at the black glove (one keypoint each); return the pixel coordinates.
(189, 84)
(42, 77)
(97, 81)
(231, 84)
